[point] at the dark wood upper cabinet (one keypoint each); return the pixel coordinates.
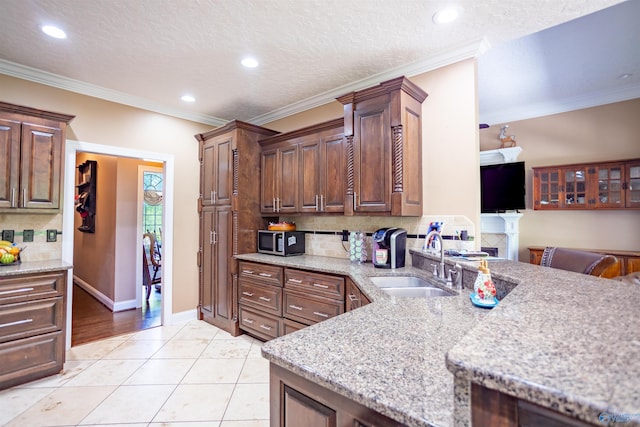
(304, 171)
(31, 148)
(383, 132)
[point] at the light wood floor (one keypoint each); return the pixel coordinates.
(92, 321)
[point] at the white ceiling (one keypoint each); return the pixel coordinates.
(148, 53)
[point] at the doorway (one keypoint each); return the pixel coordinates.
(167, 162)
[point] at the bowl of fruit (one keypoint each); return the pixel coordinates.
(9, 253)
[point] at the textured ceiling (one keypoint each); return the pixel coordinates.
(150, 52)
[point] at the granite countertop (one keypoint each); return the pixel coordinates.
(388, 355)
(30, 267)
(562, 340)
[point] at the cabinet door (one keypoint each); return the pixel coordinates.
(41, 162)
(632, 185)
(216, 302)
(333, 175)
(217, 171)
(287, 194)
(546, 188)
(355, 297)
(299, 409)
(309, 174)
(9, 162)
(607, 181)
(269, 164)
(372, 164)
(575, 187)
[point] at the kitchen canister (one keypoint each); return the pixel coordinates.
(357, 247)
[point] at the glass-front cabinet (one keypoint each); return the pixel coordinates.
(575, 187)
(549, 188)
(632, 188)
(610, 185)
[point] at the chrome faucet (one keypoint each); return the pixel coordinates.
(440, 273)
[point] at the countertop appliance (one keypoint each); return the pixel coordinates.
(389, 247)
(283, 243)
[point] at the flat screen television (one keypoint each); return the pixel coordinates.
(502, 187)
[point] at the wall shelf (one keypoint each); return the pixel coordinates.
(86, 195)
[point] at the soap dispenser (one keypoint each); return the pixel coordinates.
(483, 287)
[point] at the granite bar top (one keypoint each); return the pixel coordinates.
(562, 340)
(30, 267)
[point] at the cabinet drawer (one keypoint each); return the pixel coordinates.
(31, 318)
(322, 284)
(260, 324)
(31, 358)
(31, 287)
(266, 298)
(265, 274)
(290, 326)
(309, 309)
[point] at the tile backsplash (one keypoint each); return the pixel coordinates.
(326, 244)
(39, 249)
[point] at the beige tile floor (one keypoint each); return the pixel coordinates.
(189, 375)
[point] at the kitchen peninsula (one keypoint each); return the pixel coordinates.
(559, 341)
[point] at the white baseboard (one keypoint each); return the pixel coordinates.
(124, 305)
(184, 316)
(108, 302)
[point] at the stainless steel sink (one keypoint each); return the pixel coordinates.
(417, 292)
(409, 286)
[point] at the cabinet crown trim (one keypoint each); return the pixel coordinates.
(385, 88)
(19, 109)
(233, 125)
(336, 124)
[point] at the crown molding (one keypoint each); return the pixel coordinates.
(54, 80)
(460, 53)
(586, 100)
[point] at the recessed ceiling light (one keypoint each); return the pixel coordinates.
(188, 98)
(55, 32)
(624, 76)
(249, 62)
(446, 15)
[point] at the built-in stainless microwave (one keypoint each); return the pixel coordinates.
(283, 243)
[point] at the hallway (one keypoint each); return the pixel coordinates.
(92, 321)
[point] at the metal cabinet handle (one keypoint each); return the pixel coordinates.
(24, 197)
(215, 237)
(247, 271)
(295, 307)
(295, 280)
(265, 274)
(318, 285)
(268, 328)
(317, 203)
(355, 197)
(249, 321)
(13, 197)
(352, 297)
(321, 203)
(265, 299)
(249, 294)
(17, 322)
(279, 204)
(211, 237)
(317, 313)
(15, 291)
(274, 204)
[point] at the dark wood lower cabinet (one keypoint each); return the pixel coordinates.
(32, 326)
(491, 408)
(296, 401)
